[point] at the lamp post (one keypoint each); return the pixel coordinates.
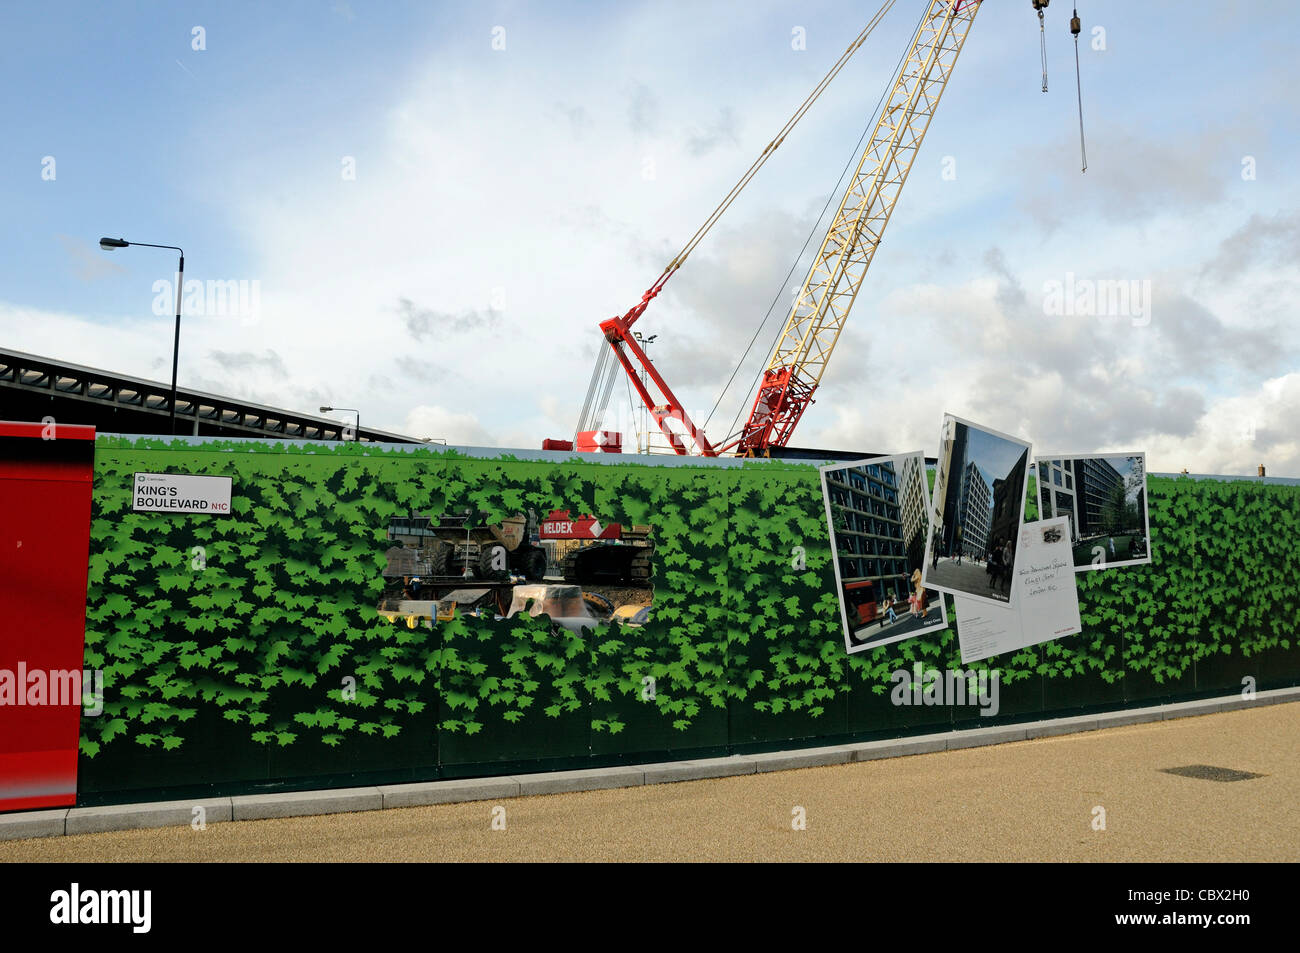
(108, 244)
(350, 410)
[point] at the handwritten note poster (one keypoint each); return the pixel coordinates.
(1044, 595)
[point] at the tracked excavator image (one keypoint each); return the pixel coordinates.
(589, 553)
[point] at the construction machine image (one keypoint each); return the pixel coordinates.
(456, 546)
(436, 566)
(585, 552)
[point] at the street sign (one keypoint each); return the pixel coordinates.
(181, 493)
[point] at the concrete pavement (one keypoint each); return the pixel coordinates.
(1023, 801)
(968, 577)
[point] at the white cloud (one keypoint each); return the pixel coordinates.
(439, 423)
(128, 346)
(501, 209)
(1237, 433)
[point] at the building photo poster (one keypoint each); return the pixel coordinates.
(977, 509)
(1047, 599)
(877, 512)
(1104, 500)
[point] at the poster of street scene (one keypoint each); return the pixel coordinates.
(579, 570)
(877, 510)
(1104, 500)
(979, 505)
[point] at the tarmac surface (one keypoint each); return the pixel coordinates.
(1025, 801)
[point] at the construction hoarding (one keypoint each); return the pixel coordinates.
(251, 652)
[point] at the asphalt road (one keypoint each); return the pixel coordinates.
(1026, 801)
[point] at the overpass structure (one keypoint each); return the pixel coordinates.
(33, 387)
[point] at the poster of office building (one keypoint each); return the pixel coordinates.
(877, 511)
(1104, 500)
(977, 511)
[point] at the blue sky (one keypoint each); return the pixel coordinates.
(992, 454)
(501, 208)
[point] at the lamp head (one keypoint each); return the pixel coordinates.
(108, 244)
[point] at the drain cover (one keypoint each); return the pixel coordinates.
(1208, 772)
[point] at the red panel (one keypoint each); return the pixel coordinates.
(600, 441)
(44, 544)
(22, 428)
(560, 525)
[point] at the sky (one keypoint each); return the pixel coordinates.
(429, 207)
(994, 456)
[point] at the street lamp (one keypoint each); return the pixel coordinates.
(351, 410)
(108, 244)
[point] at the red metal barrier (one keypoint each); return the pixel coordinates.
(46, 472)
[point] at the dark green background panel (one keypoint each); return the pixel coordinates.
(245, 653)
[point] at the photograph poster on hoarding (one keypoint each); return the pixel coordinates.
(877, 512)
(1104, 499)
(1047, 600)
(977, 509)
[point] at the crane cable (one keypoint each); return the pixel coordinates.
(601, 385)
(1040, 6)
(599, 389)
(680, 258)
(857, 152)
(1076, 27)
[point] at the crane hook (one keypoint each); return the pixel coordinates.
(1040, 6)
